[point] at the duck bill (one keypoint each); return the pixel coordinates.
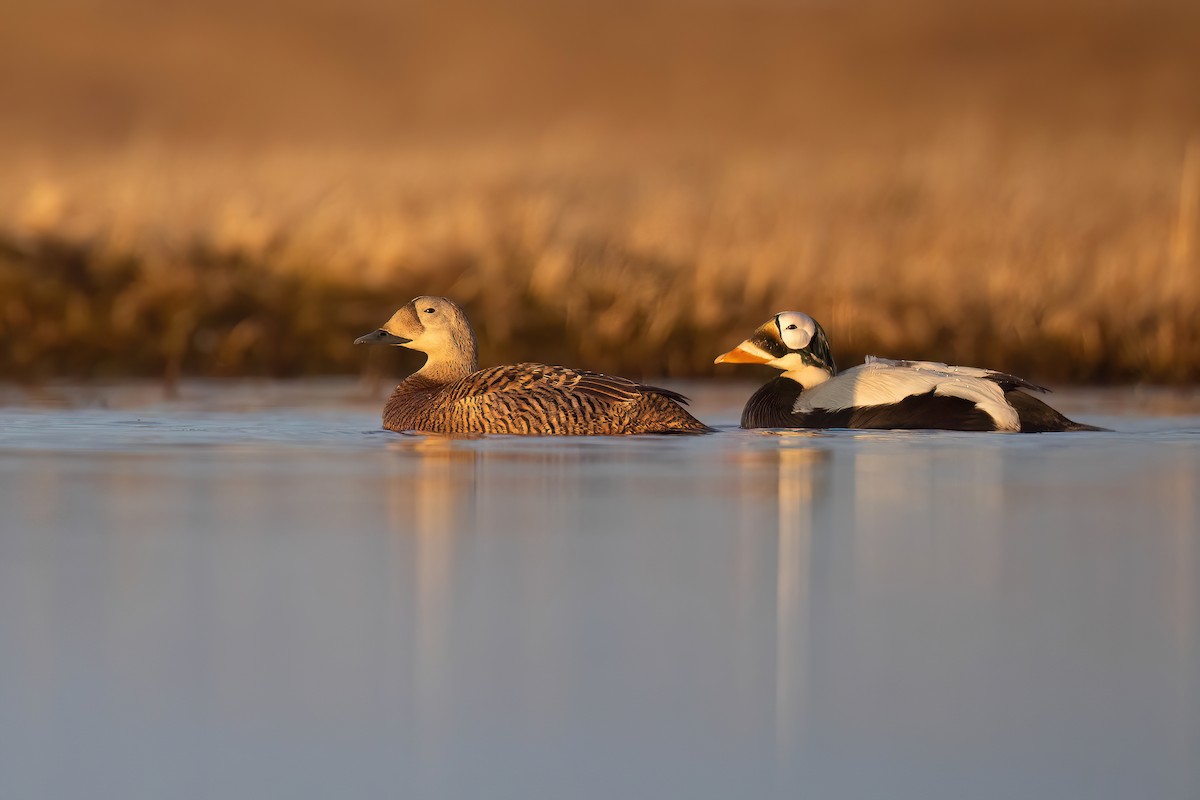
(381, 337)
(745, 353)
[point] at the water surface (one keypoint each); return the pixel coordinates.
(251, 591)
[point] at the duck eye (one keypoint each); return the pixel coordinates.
(791, 327)
(429, 310)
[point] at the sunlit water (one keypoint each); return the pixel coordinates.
(252, 592)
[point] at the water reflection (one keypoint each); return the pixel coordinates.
(1182, 600)
(433, 507)
(748, 613)
(800, 470)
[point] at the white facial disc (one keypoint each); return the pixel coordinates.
(795, 329)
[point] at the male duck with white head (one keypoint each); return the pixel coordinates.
(881, 393)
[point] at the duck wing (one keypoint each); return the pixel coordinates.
(533, 377)
(936, 368)
(885, 384)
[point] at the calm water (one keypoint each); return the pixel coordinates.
(252, 592)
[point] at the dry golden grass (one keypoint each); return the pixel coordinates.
(1033, 206)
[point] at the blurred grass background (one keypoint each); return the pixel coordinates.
(241, 188)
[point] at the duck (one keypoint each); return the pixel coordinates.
(881, 393)
(450, 394)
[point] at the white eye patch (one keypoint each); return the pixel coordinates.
(795, 329)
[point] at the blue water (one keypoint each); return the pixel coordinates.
(251, 591)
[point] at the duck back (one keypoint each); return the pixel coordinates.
(537, 399)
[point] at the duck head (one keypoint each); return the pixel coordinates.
(790, 341)
(435, 326)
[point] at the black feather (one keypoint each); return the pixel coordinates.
(1037, 417)
(915, 412)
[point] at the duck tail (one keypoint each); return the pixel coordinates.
(1037, 417)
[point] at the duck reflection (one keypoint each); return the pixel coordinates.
(852, 520)
(432, 507)
(484, 519)
(581, 590)
(801, 482)
(783, 564)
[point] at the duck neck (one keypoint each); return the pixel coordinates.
(450, 363)
(771, 406)
(774, 405)
(808, 376)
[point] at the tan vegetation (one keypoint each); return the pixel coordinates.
(629, 190)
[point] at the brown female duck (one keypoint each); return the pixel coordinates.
(450, 394)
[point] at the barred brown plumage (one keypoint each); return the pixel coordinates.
(450, 394)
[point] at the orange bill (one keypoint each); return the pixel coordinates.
(745, 353)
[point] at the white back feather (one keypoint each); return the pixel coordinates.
(882, 382)
(938, 368)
